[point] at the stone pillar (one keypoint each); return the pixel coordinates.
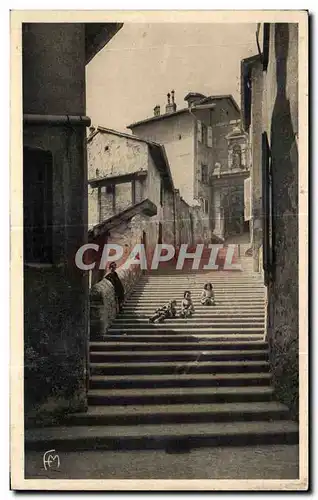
(56, 294)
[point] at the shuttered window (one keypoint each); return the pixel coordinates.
(206, 206)
(210, 137)
(199, 125)
(204, 174)
(106, 201)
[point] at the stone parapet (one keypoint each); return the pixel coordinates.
(103, 307)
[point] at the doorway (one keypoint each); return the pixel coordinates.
(160, 233)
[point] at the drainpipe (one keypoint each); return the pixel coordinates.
(56, 120)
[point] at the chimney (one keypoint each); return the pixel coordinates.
(193, 98)
(171, 106)
(156, 110)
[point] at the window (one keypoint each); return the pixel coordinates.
(204, 135)
(110, 189)
(210, 137)
(161, 192)
(206, 206)
(204, 174)
(37, 205)
(199, 124)
(133, 192)
(106, 201)
(160, 233)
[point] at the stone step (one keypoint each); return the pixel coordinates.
(205, 314)
(208, 315)
(179, 337)
(172, 437)
(226, 300)
(177, 344)
(217, 318)
(165, 329)
(197, 295)
(178, 295)
(189, 323)
(219, 298)
(219, 284)
(202, 278)
(195, 355)
(178, 380)
(162, 367)
(220, 306)
(194, 286)
(174, 395)
(144, 367)
(180, 413)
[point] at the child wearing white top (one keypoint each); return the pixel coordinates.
(207, 296)
(187, 308)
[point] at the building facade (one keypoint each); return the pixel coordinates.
(123, 172)
(228, 179)
(55, 212)
(270, 111)
(199, 148)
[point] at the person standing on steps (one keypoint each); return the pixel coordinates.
(113, 277)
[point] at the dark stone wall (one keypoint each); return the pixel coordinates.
(53, 61)
(55, 329)
(56, 294)
(283, 288)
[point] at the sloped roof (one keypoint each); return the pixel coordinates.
(204, 100)
(145, 207)
(156, 150)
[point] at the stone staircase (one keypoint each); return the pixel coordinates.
(196, 382)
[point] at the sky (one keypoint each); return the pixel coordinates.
(143, 62)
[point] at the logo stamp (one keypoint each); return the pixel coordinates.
(51, 459)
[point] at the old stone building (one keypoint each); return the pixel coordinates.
(201, 141)
(55, 212)
(227, 185)
(123, 172)
(270, 116)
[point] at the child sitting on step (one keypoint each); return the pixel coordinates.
(187, 308)
(207, 296)
(167, 311)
